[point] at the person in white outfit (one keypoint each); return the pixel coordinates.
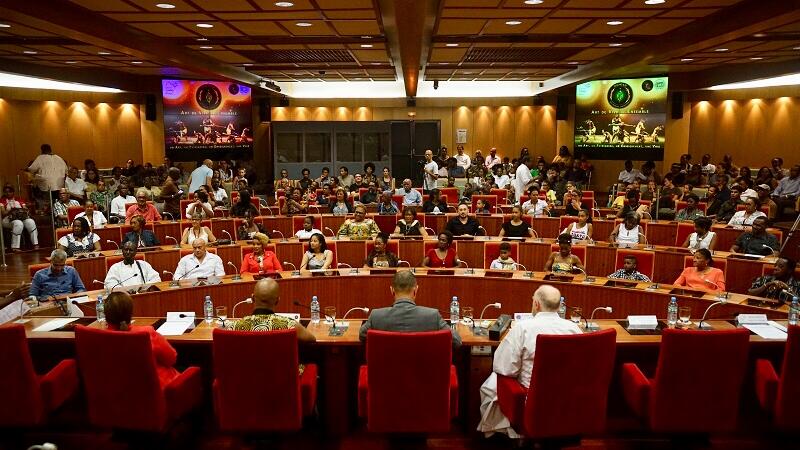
(522, 178)
(16, 217)
(200, 263)
(514, 356)
(130, 271)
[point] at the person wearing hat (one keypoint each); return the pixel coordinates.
(764, 191)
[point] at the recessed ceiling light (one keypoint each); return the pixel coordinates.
(104, 53)
(284, 4)
(760, 35)
(756, 58)
(204, 25)
(376, 64)
(247, 64)
(573, 62)
(615, 44)
(513, 22)
(451, 45)
(30, 52)
(70, 62)
(201, 39)
(654, 2)
(614, 23)
(165, 5)
(136, 62)
(721, 50)
(366, 45)
(795, 48)
(5, 25)
(534, 2)
(206, 47)
(687, 59)
(303, 24)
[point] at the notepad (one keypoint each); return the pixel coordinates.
(752, 319)
(54, 324)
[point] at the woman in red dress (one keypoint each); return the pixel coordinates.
(260, 260)
(444, 255)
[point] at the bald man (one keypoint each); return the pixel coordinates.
(411, 197)
(201, 176)
(514, 356)
(265, 298)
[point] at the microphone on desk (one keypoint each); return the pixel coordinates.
(497, 305)
(767, 246)
(23, 302)
(287, 263)
(343, 264)
(188, 272)
(171, 217)
(109, 241)
(528, 273)
(535, 234)
(705, 313)
(316, 207)
(283, 238)
(98, 282)
(485, 233)
(333, 235)
(587, 278)
(237, 276)
(646, 242)
(401, 261)
(229, 236)
(720, 294)
(593, 326)
(433, 232)
(357, 308)
(177, 244)
(120, 283)
(248, 300)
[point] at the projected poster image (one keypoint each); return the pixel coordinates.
(621, 119)
(206, 115)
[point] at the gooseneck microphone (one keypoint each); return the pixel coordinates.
(237, 276)
(593, 326)
(188, 272)
(587, 278)
(333, 235)
(283, 238)
(122, 282)
(248, 300)
(177, 244)
(229, 236)
(705, 313)
(357, 308)
(109, 241)
(287, 263)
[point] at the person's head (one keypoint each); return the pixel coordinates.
(118, 308)
(545, 186)
(404, 285)
(702, 224)
(563, 151)
(702, 259)
(358, 179)
(564, 244)
(174, 174)
(197, 220)
(794, 172)
(129, 252)
(777, 162)
(691, 201)
(705, 159)
(91, 176)
(63, 195)
(751, 205)
(266, 294)
(505, 250)
(80, 226)
(410, 214)
(199, 248)
(451, 181)
(201, 195)
(584, 216)
(359, 212)
(297, 194)
(631, 220)
(764, 173)
(480, 204)
(675, 168)
(712, 191)
(628, 165)
(460, 149)
(141, 198)
(137, 223)
(343, 171)
(445, 240)
(89, 208)
(451, 162)
(116, 171)
(101, 185)
(386, 198)
(58, 259)
(763, 191)
(308, 223)
(759, 226)
(317, 243)
(429, 155)
(8, 191)
(46, 149)
(736, 193)
(386, 172)
(629, 264)
(305, 172)
(380, 242)
(463, 210)
(545, 299)
(284, 174)
(372, 187)
(208, 163)
(260, 243)
(722, 180)
(516, 212)
(744, 172)
(784, 268)
(685, 158)
(340, 195)
(632, 196)
(435, 195)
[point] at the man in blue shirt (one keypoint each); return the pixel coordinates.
(57, 279)
(201, 175)
(411, 197)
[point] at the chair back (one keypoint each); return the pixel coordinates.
(398, 401)
(120, 380)
(73, 211)
(113, 259)
(33, 268)
(719, 263)
(392, 246)
(19, 385)
(264, 393)
(451, 193)
(501, 194)
(564, 221)
(568, 396)
(684, 230)
(577, 250)
(331, 246)
(703, 369)
(680, 204)
(644, 260)
(386, 222)
(491, 251)
(787, 403)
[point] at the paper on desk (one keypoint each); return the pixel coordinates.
(766, 331)
(175, 327)
(53, 324)
(83, 299)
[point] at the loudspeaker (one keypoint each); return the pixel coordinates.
(150, 107)
(284, 101)
(264, 110)
(677, 105)
(562, 107)
(538, 100)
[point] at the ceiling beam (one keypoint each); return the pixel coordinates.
(408, 25)
(735, 22)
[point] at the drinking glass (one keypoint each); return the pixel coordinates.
(330, 315)
(576, 314)
(222, 314)
(684, 314)
(468, 315)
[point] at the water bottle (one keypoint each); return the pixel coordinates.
(101, 310)
(562, 308)
(314, 309)
(208, 309)
(794, 311)
(672, 312)
(455, 311)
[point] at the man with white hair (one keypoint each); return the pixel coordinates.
(514, 356)
(462, 159)
(411, 197)
(57, 279)
(199, 264)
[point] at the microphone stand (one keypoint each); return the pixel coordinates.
(177, 244)
(586, 278)
(233, 311)
(705, 313)
(173, 283)
(481, 331)
(283, 238)
(295, 272)
(237, 276)
(117, 251)
(528, 273)
(333, 235)
(591, 326)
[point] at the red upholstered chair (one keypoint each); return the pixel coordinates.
(259, 407)
(184, 204)
(390, 394)
(779, 395)
(122, 386)
(767, 268)
(28, 398)
(571, 400)
(777, 233)
(680, 204)
(111, 260)
(713, 390)
(331, 246)
(719, 263)
(490, 200)
(391, 246)
(451, 193)
(577, 250)
(491, 250)
(501, 194)
(398, 200)
(61, 232)
(644, 260)
(73, 211)
(386, 222)
(684, 230)
(33, 268)
(564, 222)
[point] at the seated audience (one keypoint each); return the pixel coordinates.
(248, 227)
(16, 217)
(563, 261)
(482, 207)
(266, 295)
(61, 207)
(119, 317)
(409, 225)
(757, 241)
(143, 209)
(436, 203)
(411, 197)
(81, 240)
(572, 203)
(691, 211)
(130, 271)
(702, 275)
(95, 218)
(581, 230)
(702, 237)
(75, 185)
(387, 181)
(633, 205)
(764, 199)
(534, 205)
(57, 279)
(201, 206)
(200, 263)
(785, 195)
(746, 185)
(444, 255)
(728, 208)
(515, 355)
(628, 233)
(344, 178)
(629, 174)
(359, 227)
(140, 236)
(713, 201)
(197, 231)
(516, 227)
(380, 256)
(341, 206)
(387, 206)
(101, 197)
(244, 205)
(404, 315)
(462, 224)
(118, 205)
(295, 204)
(781, 284)
(504, 261)
(171, 194)
(318, 256)
(750, 213)
(371, 196)
(308, 229)
(261, 259)
(629, 272)
(669, 196)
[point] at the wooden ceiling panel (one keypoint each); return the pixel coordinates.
(459, 27)
(335, 14)
(472, 3)
(22, 30)
(259, 28)
(317, 28)
(277, 15)
(656, 27)
(558, 26)
(223, 5)
(220, 29)
(228, 56)
(710, 3)
(499, 26)
(371, 55)
(164, 29)
(356, 27)
(601, 27)
(505, 13)
(772, 45)
(161, 17)
(345, 4)
(593, 3)
(447, 54)
(246, 47)
(689, 13)
(591, 54)
(269, 5)
(791, 28)
(105, 5)
(617, 13)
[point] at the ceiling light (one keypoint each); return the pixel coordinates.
(720, 49)
(451, 45)
(534, 2)
(206, 47)
(654, 2)
(376, 63)
(513, 22)
(615, 44)
(756, 58)
(687, 59)
(795, 48)
(760, 35)
(204, 25)
(573, 62)
(70, 62)
(5, 25)
(284, 4)
(247, 64)
(30, 52)
(614, 23)
(165, 5)
(303, 24)
(784, 80)
(136, 62)
(104, 53)
(202, 39)
(366, 45)
(26, 82)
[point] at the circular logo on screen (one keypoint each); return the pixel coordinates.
(620, 95)
(233, 88)
(647, 85)
(208, 96)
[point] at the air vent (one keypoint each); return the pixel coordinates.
(299, 56)
(518, 55)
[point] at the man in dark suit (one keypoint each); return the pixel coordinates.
(404, 315)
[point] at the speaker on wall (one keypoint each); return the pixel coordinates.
(264, 110)
(677, 105)
(562, 107)
(150, 107)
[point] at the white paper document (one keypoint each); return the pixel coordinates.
(54, 324)
(766, 331)
(83, 299)
(177, 323)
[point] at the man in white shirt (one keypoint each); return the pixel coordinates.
(49, 170)
(118, 203)
(199, 264)
(411, 197)
(535, 206)
(96, 218)
(707, 168)
(514, 356)
(130, 271)
(201, 176)
(462, 159)
(75, 184)
(431, 172)
(220, 195)
(492, 160)
(629, 175)
(522, 178)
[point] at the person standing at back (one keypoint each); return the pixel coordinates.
(431, 172)
(49, 171)
(201, 176)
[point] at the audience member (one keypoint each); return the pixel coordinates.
(201, 206)
(702, 275)
(341, 206)
(197, 231)
(504, 261)
(344, 178)
(629, 232)
(200, 263)
(142, 208)
(380, 256)
(171, 194)
(516, 227)
(563, 261)
(757, 241)
(308, 229)
(387, 206)
(463, 224)
(629, 270)
(408, 225)
(16, 217)
(81, 240)
(57, 279)
(780, 284)
(49, 171)
(249, 227)
(318, 256)
(702, 237)
(581, 230)
(130, 271)
(748, 215)
(359, 227)
(691, 211)
(444, 255)
(370, 197)
(261, 259)
(201, 176)
(139, 235)
(119, 204)
(411, 197)
(75, 185)
(266, 295)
